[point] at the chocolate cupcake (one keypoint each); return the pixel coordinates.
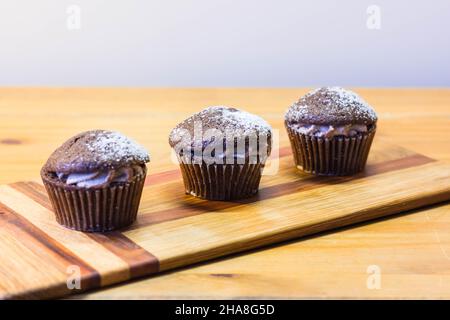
(95, 181)
(222, 152)
(331, 130)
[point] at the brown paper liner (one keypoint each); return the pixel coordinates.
(221, 181)
(338, 156)
(95, 210)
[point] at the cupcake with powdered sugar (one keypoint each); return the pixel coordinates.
(331, 130)
(95, 181)
(222, 152)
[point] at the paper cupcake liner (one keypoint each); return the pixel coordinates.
(95, 210)
(338, 156)
(221, 181)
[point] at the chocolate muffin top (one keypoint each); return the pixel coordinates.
(229, 121)
(331, 106)
(96, 150)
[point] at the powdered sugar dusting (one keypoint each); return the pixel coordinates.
(114, 146)
(238, 120)
(331, 105)
(228, 120)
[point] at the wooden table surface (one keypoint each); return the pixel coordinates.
(411, 251)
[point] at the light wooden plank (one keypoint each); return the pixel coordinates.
(214, 233)
(26, 269)
(414, 264)
(110, 266)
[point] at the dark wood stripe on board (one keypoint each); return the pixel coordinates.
(34, 191)
(313, 182)
(162, 177)
(307, 183)
(28, 233)
(175, 174)
(140, 261)
(284, 152)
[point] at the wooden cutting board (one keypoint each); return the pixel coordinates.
(38, 256)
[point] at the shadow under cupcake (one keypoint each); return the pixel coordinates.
(95, 181)
(331, 131)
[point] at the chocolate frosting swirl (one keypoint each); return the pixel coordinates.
(99, 179)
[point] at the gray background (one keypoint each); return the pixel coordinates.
(214, 43)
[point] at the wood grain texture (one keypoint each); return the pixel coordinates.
(32, 266)
(39, 119)
(308, 208)
(412, 250)
(189, 230)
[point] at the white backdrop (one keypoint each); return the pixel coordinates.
(211, 43)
